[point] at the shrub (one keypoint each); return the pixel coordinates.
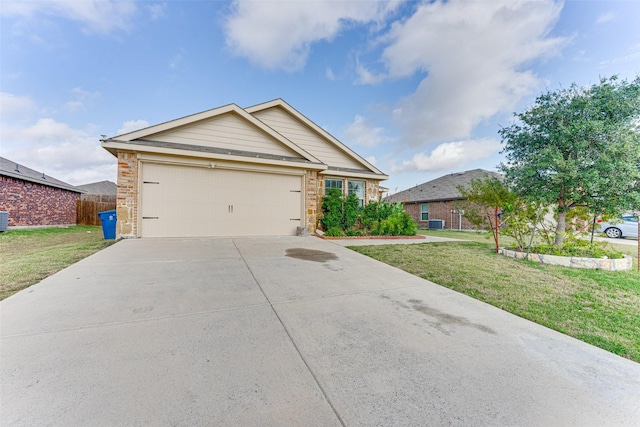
(332, 206)
(342, 215)
(578, 248)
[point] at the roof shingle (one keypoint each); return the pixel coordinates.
(443, 188)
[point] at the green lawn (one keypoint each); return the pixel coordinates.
(30, 255)
(598, 307)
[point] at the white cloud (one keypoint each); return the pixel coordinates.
(450, 155)
(362, 132)
(328, 73)
(132, 125)
(177, 58)
(371, 159)
(13, 104)
(474, 55)
(279, 34)
(81, 99)
(97, 16)
(605, 17)
(71, 155)
(157, 10)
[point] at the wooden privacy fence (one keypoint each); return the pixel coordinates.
(87, 211)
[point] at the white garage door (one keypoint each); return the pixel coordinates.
(186, 201)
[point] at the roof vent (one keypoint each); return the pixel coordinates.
(17, 169)
(43, 177)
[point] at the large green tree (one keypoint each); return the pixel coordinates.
(578, 147)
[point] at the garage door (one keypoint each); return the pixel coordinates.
(186, 201)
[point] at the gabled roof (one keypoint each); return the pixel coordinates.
(443, 188)
(145, 136)
(14, 170)
(317, 129)
(177, 137)
(106, 188)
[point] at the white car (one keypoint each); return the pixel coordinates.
(626, 226)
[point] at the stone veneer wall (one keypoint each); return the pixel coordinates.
(575, 262)
(127, 196)
(312, 188)
(31, 204)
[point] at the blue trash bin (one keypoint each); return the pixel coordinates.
(108, 219)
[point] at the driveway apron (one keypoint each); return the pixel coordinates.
(286, 331)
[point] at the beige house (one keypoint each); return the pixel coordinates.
(230, 171)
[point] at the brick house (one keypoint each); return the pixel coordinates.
(34, 199)
(437, 199)
(233, 171)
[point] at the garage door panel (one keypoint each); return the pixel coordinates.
(186, 201)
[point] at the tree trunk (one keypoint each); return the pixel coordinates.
(495, 231)
(561, 227)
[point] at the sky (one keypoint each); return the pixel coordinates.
(419, 88)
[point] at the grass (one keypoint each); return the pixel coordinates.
(599, 307)
(30, 255)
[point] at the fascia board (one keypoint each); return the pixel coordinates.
(349, 174)
(113, 146)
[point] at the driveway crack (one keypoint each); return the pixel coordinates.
(286, 330)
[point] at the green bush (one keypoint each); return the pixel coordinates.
(335, 232)
(578, 248)
(332, 206)
(343, 216)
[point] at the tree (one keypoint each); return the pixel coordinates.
(578, 147)
(485, 199)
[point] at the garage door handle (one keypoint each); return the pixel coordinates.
(294, 219)
(230, 208)
(150, 217)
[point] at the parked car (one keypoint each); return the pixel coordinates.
(626, 226)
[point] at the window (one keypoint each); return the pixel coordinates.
(332, 183)
(424, 212)
(357, 188)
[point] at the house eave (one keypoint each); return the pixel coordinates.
(113, 146)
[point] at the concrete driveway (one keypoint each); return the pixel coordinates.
(291, 331)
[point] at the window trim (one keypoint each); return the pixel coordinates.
(423, 212)
(340, 180)
(364, 190)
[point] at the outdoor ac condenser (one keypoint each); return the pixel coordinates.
(4, 221)
(436, 224)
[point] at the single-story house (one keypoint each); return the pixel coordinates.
(436, 200)
(101, 191)
(33, 198)
(233, 171)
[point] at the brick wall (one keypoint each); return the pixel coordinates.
(127, 195)
(439, 210)
(32, 204)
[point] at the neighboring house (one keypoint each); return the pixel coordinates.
(230, 171)
(102, 191)
(35, 199)
(437, 199)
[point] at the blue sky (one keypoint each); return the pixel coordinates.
(418, 88)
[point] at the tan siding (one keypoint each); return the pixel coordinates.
(227, 131)
(305, 138)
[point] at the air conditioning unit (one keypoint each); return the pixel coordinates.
(4, 221)
(436, 224)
